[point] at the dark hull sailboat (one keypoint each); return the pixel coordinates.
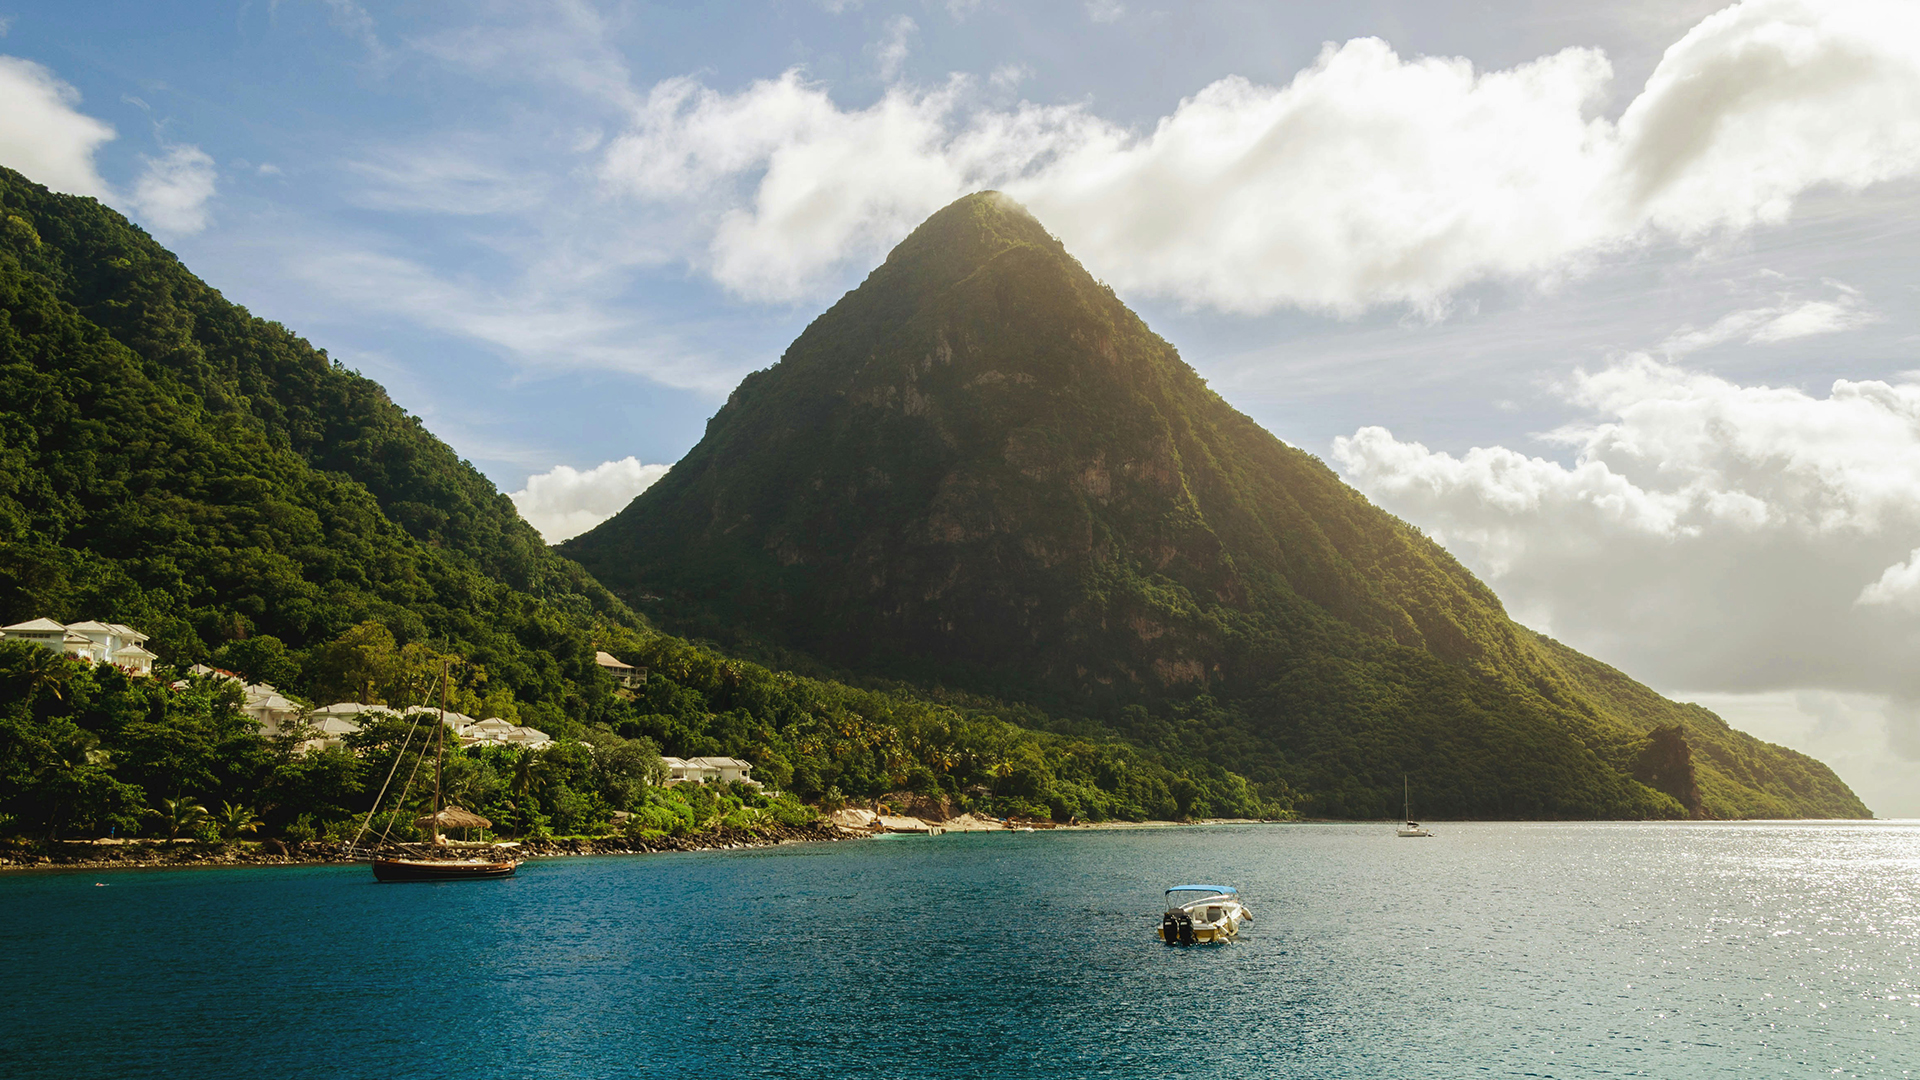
(441, 869)
(440, 863)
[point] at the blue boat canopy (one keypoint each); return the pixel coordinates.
(1225, 890)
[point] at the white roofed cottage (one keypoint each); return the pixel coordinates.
(623, 673)
(91, 641)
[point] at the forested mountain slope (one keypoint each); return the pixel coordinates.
(169, 461)
(209, 476)
(980, 469)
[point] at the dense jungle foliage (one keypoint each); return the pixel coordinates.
(981, 470)
(87, 750)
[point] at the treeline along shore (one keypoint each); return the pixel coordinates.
(93, 751)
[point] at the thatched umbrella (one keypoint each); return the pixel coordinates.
(453, 818)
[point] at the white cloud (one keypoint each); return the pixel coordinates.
(891, 51)
(173, 190)
(794, 185)
(1709, 535)
(1368, 179)
(560, 319)
(1105, 11)
(565, 502)
(43, 135)
(1810, 318)
(1769, 323)
(1898, 586)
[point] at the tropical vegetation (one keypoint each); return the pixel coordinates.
(170, 461)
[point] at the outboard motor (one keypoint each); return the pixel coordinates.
(1186, 929)
(1170, 929)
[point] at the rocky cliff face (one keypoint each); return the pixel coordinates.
(981, 468)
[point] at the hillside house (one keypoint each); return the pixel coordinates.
(261, 702)
(494, 731)
(628, 676)
(93, 642)
(709, 770)
(333, 723)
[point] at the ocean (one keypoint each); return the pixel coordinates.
(1493, 949)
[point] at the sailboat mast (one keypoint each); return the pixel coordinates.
(439, 750)
(1406, 798)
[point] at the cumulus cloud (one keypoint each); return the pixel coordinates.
(1368, 179)
(173, 190)
(1105, 11)
(42, 132)
(797, 185)
(565, 502)
(1704, 534)
(1898, 586)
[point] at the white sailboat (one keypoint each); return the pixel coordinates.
(1411, 828)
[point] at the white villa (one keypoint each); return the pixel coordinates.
(273, 711)
(332, 723)
(623, 673)
(275, 714)
(494, 731)
(93, 642)
(709, 770)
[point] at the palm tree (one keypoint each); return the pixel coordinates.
(530, 770)
(43, 669)
(181, 815)
(233, 819)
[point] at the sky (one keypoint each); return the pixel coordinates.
(1614, 300)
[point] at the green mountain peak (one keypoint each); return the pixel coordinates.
(981, 469)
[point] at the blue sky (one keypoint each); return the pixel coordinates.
(1616, 300)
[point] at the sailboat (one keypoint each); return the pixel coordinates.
(1411, 828)
(439, 862)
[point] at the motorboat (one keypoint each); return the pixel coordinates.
(1203, 915)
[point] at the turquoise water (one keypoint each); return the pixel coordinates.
(1553, 950)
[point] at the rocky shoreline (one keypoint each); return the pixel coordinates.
(17, 854)
(132, 854)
